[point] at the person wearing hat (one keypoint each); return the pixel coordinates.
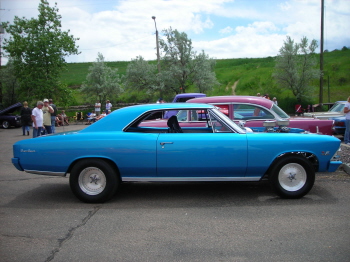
(47, 111)
(108, 106)
(53, 116)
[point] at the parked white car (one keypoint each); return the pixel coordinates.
(335, 111)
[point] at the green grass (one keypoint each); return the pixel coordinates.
(253, 75)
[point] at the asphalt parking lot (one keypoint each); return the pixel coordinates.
(41, 220)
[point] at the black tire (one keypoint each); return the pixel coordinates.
(5, 124)
(93, 180)
(292, 177)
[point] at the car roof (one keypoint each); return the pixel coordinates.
(190, 94)
(120, 118)
(11, 108)
(230, 99)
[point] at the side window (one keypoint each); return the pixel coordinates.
(223, 109)
(246, 112)
(191, 115)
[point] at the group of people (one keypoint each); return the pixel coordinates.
(274, 100)
(42, 118)
(97, 115)
(93, 117)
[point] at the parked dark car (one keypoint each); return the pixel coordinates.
(8, 119)
(339, 125)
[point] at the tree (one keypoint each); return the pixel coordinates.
(102, 81)
(10, 85)
(204, 77)
(38, 47)
(141, 76)
(295, 67)
(181, 66)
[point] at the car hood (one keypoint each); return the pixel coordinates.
(11, 109)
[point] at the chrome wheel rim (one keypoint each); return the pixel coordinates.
(292, 177)
(92, 181)
(5, 124)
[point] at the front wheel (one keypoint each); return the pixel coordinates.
(93, 180)
(5, 124)
(292, 177)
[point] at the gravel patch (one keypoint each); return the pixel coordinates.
(345, 154)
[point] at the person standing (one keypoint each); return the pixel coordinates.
(275, 101)
(108, 106)
(98, 108)
(47, 111)
(347, 122)
(37, 118)
(53, 116)
(26, 118)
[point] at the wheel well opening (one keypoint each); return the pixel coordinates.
(311, 158)
(110, 162)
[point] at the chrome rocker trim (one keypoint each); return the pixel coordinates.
(188, 179)
(45, 173)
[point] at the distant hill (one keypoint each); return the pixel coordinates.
(249, 76)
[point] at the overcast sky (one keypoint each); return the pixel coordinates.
(124, 29)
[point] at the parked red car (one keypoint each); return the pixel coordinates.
(254, 111)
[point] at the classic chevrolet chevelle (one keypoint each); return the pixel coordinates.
(118, 148)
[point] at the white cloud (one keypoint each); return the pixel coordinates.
(124, 29)
(226, 30)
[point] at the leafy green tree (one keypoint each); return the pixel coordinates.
(181, 66)
(296, 67)
(204, 77)
(141, 76)
(38, 47)
(10, 85)
(102, 82)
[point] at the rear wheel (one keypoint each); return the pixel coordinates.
(292, 177)
(5, 124)
(93, 180)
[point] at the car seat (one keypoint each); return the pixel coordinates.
(173, 125)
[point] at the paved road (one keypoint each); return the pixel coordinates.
(41, 220)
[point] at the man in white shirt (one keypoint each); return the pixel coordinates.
(108, 106)
(38, 119)
(98, 108)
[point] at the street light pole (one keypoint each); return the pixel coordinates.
(155, 24)
(321, 54)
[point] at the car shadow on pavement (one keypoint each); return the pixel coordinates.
(170, 195)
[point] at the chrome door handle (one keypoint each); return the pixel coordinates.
(163, 143)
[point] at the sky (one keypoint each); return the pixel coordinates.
(121, 30)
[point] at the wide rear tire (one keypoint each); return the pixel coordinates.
(93, 180)
(292, 177)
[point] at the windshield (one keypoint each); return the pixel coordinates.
(228, 121)
(337, 108)
(279, 112)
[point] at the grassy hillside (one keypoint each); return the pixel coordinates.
(250, 76)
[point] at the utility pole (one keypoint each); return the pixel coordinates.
(1, 32)
(158, 64)
(321, 54)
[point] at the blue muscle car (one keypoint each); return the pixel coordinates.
(122, 148)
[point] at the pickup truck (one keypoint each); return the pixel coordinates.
(182, 98)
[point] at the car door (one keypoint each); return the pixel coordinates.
(191, 156)
(208, 155)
